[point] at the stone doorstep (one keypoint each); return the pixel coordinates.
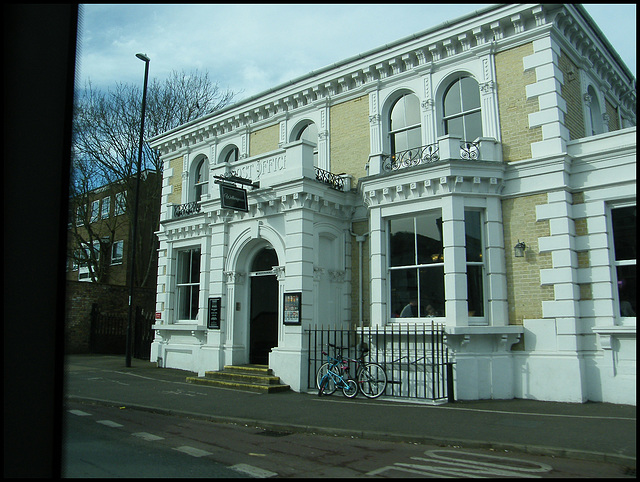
(257, 378)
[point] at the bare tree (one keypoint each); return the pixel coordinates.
(105, 152)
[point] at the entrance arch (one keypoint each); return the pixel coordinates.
(263, 307)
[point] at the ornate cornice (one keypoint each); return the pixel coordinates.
(468, 36)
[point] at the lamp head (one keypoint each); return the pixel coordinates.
(143, 57)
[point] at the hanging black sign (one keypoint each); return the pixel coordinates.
(213, 322)
(232, 197)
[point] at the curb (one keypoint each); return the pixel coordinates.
(623, 460)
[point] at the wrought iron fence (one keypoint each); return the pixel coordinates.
(412, 157)
(333, 180)
(186, 209)
(415, 357)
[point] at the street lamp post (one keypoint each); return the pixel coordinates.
(134, 233)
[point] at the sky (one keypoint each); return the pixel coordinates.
(252, 48)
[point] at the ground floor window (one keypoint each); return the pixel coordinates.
(416, 266)
(475, 263)
(623, 220)
(188, 284)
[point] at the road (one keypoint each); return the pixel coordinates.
(107, 441)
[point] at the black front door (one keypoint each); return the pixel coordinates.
(264, 318)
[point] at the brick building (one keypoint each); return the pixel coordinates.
(408, 176)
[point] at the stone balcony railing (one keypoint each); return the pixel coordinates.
(445, 149)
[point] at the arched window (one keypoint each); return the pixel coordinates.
(230, 154)
(461, 109)
(201, 179)
(404, 124)
(309, 132)
(595, 114)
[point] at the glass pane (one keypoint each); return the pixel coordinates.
(265, 260)
(232, 155)
(309, 133)
(414, 138)
(452, 103)
(429, 238)
(627, 290)
(195, 266)
(470, 93)
(399, 142)
(396, 119)
(473, 126)
(432, 291)
(194, 292)
(404, 293)
(402, 242)
(454, 127)
(624, 232)
(411, 109)
(184, 266)
(475, 292)
(473, 235)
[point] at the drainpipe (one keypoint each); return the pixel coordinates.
(360, 238)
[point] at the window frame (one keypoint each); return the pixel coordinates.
(464, 112)
(619, 263)
(105, 207)
(481, 264)
(115, 259)
(419, 267)
(120, 206)
(406, 128)
(181, 286)
(201, 179)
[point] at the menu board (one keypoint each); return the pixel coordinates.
(213, 322)
(292, 308)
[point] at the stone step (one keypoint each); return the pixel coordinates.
(256, 378)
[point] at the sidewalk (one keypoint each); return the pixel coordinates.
(595, 431)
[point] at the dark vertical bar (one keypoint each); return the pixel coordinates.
(424, 361)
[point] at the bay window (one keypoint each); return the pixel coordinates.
(623, 220)
(416, 266)
(475, 263)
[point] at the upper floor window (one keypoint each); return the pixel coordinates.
(121, 203)
(201, 180)
(461, 109)
(404, 124)
(623, 220)
(106, 206)
(231, 154)
(95, 210)
(309, 132)
(594, 114)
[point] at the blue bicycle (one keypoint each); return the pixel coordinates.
(331, 376)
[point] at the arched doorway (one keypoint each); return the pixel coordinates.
(263, 316)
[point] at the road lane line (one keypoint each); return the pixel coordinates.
(194, 452)
(110, 423)
(147, 436)
(253, 471)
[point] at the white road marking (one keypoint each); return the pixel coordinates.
(194, 452)
(79, 413)
(109, 423)
(442, 463)
(147, 436)
(253, 471)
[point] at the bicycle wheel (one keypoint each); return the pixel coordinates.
(327, 386)
(322, 371)
(372, 380)
(351, 390)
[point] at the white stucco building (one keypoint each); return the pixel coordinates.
(448, 148)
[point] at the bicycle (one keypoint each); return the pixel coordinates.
(331, 379)
(371, 378)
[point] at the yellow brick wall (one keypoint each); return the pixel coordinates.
(176, 181)
(264, 140)
(513, 105)
(613, 117)
(524, 292)
(349, 137)
(570, 92)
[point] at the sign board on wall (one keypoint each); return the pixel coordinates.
(232, 197)
(292, 308)
(213, 321)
